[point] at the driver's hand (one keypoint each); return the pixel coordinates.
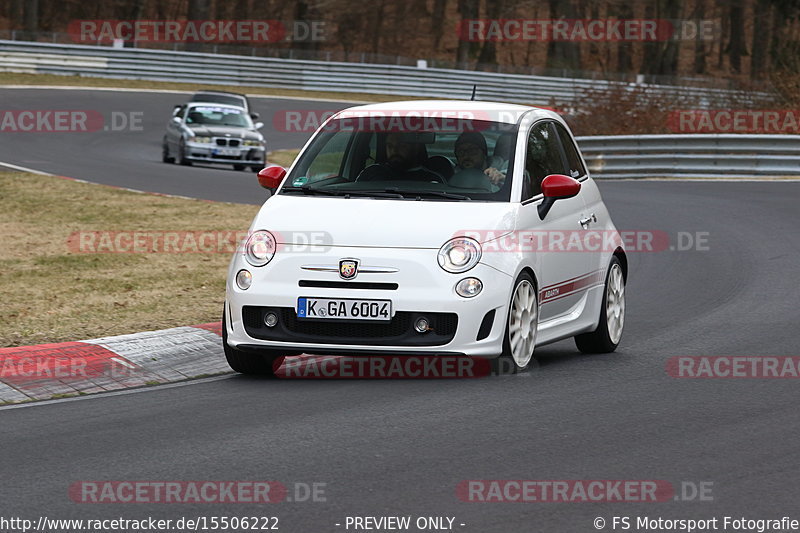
(494, 175)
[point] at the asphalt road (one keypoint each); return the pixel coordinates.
(400, 447)
(128, 154)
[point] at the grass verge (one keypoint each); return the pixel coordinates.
(54, 292)
(284, 158)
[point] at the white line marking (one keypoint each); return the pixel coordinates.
(24, 169)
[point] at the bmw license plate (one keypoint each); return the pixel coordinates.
(225, 151)
(344, 309)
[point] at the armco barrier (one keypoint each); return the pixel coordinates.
(693, 155)
(163, 65)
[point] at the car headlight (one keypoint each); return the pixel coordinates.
(253, 142)
(259, 248)
(459, 254)
(201, 140)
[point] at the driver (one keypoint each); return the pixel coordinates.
(404, 160)
(471, 153)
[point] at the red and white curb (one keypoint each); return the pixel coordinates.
(110, 363)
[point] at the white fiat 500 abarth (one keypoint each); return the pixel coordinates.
(428, 228)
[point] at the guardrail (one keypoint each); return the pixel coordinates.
(164, 65)
(697, 155)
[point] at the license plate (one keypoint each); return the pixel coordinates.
(344, 309)
(226, 151)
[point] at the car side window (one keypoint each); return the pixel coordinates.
(575, 165)
(542, 158)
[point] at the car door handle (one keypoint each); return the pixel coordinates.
(584, 222)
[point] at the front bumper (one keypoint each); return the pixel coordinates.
(208, 153)
(473, 326)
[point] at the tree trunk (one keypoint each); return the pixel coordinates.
(762, 16)
(437, 22)
(736, 44)
(699, 44)
(563, 54)
(467, 9)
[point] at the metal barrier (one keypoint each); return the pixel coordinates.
(697, 155)
(163, 65)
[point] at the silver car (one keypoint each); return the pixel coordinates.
(207, 132)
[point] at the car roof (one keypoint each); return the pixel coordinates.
(471, 109)
(219, 92)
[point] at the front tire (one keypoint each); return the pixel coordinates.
(165, 157)
(238, 168)
(606, 337)
(182, 155)
(247, 362)
(519, 340)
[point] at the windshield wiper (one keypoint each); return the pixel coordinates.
(307, 189)
(419, 194)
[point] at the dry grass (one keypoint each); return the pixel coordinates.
(284, 158)
(51, 292)
(11, 78)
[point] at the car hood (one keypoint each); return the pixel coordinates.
(387, 223)
(222, 131)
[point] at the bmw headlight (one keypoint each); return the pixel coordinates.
(201, 140)
(459, 254)
(253, 142)
(259, 249)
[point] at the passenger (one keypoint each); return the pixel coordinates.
(472, 153)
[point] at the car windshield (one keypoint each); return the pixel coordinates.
(219, 99)
(408, 158)
(218, 116)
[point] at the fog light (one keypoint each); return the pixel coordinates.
(244, 279)
(469, 287)
(270, 319)
(422, 325)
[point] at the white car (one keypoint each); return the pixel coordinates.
(428, 227)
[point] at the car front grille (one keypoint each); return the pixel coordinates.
(399, 331)
(228, 142)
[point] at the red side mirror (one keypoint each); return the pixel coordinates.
(271, 177)
(559, 186)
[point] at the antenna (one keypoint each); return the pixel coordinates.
(474, 88)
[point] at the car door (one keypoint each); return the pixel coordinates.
(597, 227)
(550, 243)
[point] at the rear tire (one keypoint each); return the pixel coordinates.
(606, 337)
(248, 362)
(519, 340)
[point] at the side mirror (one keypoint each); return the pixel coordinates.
(555, 187)
(176, 120)
(271, 177)
(259, 125)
